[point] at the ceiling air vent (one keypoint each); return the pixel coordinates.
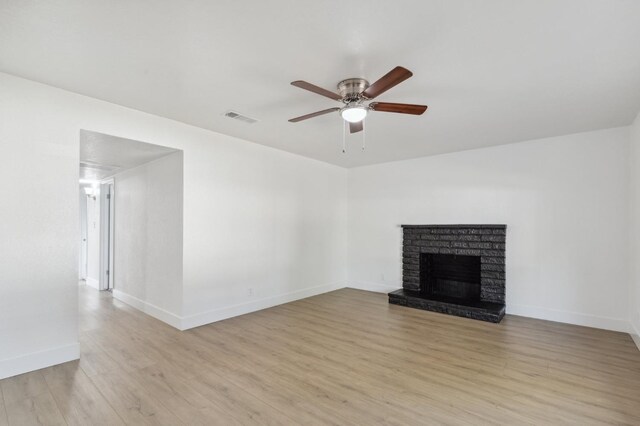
(240, 117)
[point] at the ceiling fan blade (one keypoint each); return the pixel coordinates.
(315, 89)
(399, 108)
(314, 114)
(356, 127)
(392, 78)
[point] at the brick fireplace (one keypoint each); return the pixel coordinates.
(454, 269)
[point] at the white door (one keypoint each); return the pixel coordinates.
(106, 234)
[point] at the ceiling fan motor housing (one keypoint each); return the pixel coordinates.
(351, 88)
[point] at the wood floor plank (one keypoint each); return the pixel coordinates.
(4, 421)
(231, 398)
(93, 359)
(269, 388)
(340, 358)
(37, 410)
(127, 351)
(133, 403)
(78, 399)
(18, 388)
(28, 401)
(178, 395)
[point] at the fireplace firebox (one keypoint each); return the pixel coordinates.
(450, 276)
(454, 269)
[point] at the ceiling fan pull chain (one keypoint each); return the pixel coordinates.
(344, 136)
(364, 134)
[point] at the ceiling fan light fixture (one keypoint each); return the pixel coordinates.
(354, 114)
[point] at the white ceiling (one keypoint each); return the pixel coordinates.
(103, 155)
(492, 72)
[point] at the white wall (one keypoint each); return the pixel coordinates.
(234, 194)
(634, 307)
(148, 237)
(93, 240)
(38, 231)
(271, 222)
(564, 199)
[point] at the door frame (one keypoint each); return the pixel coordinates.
(107, 211)
(84, 231)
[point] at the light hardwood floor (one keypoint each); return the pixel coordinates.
(345, 357)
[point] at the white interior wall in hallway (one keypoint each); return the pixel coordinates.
(93, 240)
(564, 200)
(634, 308)
(148, 237)
(235, 194)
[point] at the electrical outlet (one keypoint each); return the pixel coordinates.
(382, 276)
(250, 291)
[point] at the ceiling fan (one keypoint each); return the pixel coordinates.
(355, 92)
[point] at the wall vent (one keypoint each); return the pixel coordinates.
(237, 116)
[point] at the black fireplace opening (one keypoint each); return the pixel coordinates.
(450, 276)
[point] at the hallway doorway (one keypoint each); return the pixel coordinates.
(124, 188)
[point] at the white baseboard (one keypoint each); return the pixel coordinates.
(197, 320)
(37, 360)
(605, 323)
(92, 282)
(149, 309)
(371, 286)
(614, 324)
(214, 315)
